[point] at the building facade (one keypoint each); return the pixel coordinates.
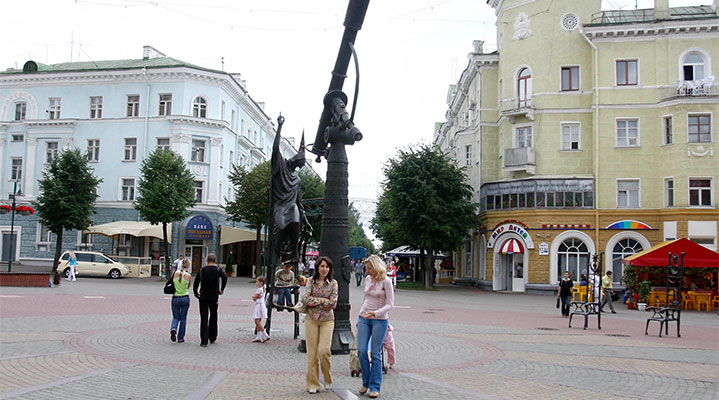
(586, 132)
(119, 111)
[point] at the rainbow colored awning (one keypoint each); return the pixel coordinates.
(629, 224)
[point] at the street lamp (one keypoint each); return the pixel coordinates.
(15, 193)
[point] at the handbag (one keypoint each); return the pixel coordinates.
(557, 302)
(300, 307)
(170, 285)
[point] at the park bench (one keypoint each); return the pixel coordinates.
(585, 309)
(672, 312)
(664, 315)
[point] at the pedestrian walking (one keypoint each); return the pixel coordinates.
(388, 346)
(565, 293)
(180, 302)
(72, 262)
(608, 292)
(359, 271)
(284, 279)
(300, 268)
(311, 266)
(178, 264)
(209, 285)
(373, 321)
(392, 273)
(260, 311)
(320, 297)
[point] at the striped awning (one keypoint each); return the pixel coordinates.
(512, 246)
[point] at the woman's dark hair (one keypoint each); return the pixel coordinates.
(330, 275)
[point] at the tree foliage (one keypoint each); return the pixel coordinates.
(313, 187)
(357, 235)
(425, 203)
(68, 190)
(166, 191)
(385, 227)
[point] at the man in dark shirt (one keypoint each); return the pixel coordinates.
(207, 288)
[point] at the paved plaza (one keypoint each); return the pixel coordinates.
(105, 339)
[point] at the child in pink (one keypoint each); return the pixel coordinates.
(388, 345)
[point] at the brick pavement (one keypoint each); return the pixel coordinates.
(104, 339)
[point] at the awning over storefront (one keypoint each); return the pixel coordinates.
(512, 246)
(133, 228)
(229, 234)
(697, 256)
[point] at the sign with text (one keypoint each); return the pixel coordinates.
(198, 227)
(511, 227)
(544, 249)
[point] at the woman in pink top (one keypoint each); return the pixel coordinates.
(372, 325)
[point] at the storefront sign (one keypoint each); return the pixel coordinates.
(544, 249)
(198, 228)
(511, 227)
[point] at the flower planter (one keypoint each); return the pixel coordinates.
(641, 306)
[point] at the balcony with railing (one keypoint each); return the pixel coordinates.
(520, 159)
(691, 89)
(515, 107)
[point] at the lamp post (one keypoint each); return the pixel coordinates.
(15, 193)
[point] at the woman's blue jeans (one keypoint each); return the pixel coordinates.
(180, 305)
(370, 333)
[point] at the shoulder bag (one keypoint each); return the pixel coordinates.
(170, 285)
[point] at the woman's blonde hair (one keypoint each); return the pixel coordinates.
(379, 267)
(186, 263)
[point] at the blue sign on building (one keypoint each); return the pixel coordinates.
(198, 227)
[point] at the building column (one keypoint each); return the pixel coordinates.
(180, 144)
(28, 187)
(213, 185)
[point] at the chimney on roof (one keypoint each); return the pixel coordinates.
(151, 52)
(478, 46)
(661, 9)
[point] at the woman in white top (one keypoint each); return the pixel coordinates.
(372, 325)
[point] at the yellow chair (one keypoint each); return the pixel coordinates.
(715, 301)
(582, 293)
(687, 300)
(703, 299)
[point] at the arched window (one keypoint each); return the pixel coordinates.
(199, 107)
(573, 257)
(693, 66)
(622, 249)
(524, 87)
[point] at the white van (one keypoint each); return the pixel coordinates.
(92, 263)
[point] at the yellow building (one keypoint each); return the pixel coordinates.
(586, 132)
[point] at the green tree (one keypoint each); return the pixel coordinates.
(357, 235)
(252, 199)
(426, 198)
(385, 227)
(313, 187)
(68, 190)
(166, 192)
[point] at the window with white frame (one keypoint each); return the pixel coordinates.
(199, 188)
(133, 105)
(44, 235)
(693, 66)
(233, 121)
(198, 151)
(163, 143)
(16, 169)
(93, 150)
(95, 107)
(130, 149)
(18, 138)
(570, 78)
(84, 240)
(573, 256)
(165, 104)
(501, 144)
(127, 189)
(699, 129)
(700, 192)
(222, 110)
(232, 158)
(54, 108)
(570, 136)
(523, 136)
(628, 193)
(628, 132)
(667, 128)
(668, 192)
(468, 154)
(51, 151)
(524, 87)
(624, 248)
(199, 107)
(20, 111)
(124, 240)
(627, 73)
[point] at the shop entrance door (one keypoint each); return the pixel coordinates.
(8, 238)
(197, 259)
(507, 261)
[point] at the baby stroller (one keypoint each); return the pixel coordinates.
(355, 368)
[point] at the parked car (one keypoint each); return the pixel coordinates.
(92, 263)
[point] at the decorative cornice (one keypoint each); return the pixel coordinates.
(55, 123)
(216, 142)
(652, 28)
(206, 122)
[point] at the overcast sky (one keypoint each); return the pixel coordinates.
(409, 52)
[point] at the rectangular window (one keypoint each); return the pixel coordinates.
(95, 107)
(93, 150)
(54, 109)
(233, 121)
(700, 128)
(700, 192)
(44, 234)
(627, 73)
(198, 151)
(667, 126)
(163, 143)
(128, 189)
(628, 193)
(232, 158)
(669, 192)
(627, 133)
(199, 186)
(133, 105)
(570, 78)
(165, 104)
(524, 136)
(222, 110)
(570, 136)
(130, 149)
(20, 111)
(18, 138)
(51, 151)
(16, 169)
(84, 240)
(468, 154)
